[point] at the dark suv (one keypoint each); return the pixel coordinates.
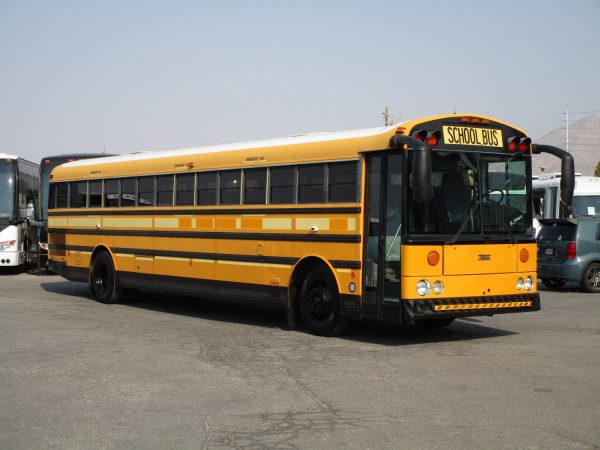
(569, 250)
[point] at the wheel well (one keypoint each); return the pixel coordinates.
(298, 275)
(100, 248)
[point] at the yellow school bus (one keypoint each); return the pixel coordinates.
(420, 222)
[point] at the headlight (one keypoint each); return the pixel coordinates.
(528, 283)
(6, 245)
(520, 284)
(423, 287)
(438, 287)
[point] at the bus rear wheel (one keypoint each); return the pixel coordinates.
(103, 280)
(320, 307)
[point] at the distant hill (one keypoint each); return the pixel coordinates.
(584, 145)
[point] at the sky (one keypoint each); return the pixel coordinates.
(127, 76)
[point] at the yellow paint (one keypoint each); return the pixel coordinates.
(306, 223)
(477, 259)
(127, 222)
(338, 224)
(166, 222)
(531, 264)
(57, 222)
(185, 223)
(227, 223)
(84, 221)
(469, 285)
(277, 223)
(252, 222)
(414, 260)
(202, 222)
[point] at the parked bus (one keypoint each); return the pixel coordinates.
(420, 222)
(546, 196)
(47, 164)
(18, 225)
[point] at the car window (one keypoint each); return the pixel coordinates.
(557, 232)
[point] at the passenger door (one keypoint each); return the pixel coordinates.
(383, 204)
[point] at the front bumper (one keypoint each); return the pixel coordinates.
(473, 306)
(10, 259)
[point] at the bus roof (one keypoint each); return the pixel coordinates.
(66, 157)
(302, 148)
(7, 156)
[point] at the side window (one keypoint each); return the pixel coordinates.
(52, 196)
(128, 191)
(95, 194)
(207, 188)
(184, 189)
(145, 191)
(342, 181)
(281, 185)
(164, 190)
(230, 187)
(62, 195)
(255, 185)
(111, 193)
(77, 194)
(311, 179)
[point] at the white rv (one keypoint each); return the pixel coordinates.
(546, 197)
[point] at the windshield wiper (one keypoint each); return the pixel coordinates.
(471, 210)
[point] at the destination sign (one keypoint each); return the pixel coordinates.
(487, 137)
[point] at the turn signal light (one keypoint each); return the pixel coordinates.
(433, 258)
(524, 255)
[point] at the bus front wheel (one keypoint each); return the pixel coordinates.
(103, 280)
(320, 304)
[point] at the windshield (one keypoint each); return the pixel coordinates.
(586, 205)
(7, 190)
(474, 194)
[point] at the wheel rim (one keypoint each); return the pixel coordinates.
(318, 300)
(593, 277)
(101, 280)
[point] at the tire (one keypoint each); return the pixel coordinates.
(320, 307)
(553, 283)
(434, 324)
(103, 280)
(590, 281)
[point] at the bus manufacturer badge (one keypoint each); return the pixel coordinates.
(485, 257)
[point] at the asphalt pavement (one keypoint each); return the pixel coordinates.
(176, 372)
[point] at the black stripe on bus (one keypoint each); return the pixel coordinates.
(212, 212)
(337, 238)
(338, 264)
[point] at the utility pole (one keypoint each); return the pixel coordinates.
(388, 119)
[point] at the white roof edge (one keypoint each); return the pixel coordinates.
(290, 140)
(7, 156)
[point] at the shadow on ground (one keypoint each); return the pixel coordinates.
(381, 333)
